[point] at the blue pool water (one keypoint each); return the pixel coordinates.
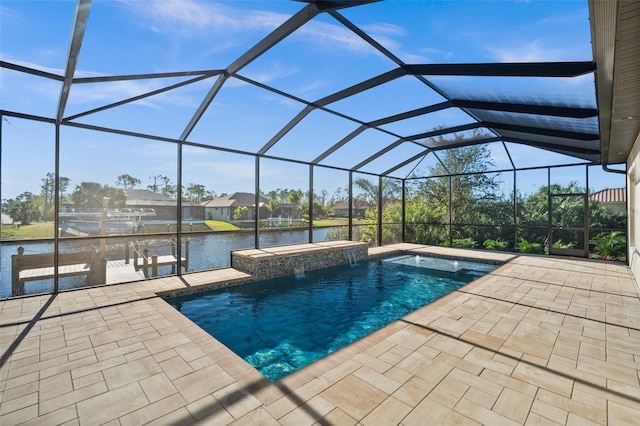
(281, 325)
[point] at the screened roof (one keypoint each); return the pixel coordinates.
(378, 87)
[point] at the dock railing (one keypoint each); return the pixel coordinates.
(143, 259)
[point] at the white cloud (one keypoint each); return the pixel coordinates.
(530, 51)
(269, 72)
(193, 18)
(333, 37)
(381, 28)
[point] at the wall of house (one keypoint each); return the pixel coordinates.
(218, 213)
(633, 185)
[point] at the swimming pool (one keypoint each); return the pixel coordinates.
(283, 324)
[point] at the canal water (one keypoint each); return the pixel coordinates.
(206, 251)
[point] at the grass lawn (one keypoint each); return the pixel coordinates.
(45, 229)
(218, 225)
(25, 232)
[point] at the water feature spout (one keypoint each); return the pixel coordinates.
(350, 252)
(298, 266)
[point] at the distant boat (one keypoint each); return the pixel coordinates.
(117, 221)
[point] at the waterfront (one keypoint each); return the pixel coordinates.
(207, 251)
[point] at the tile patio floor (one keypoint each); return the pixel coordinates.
(540, 340)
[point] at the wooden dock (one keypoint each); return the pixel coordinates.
(120, 272)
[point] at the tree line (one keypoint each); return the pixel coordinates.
(29, 207)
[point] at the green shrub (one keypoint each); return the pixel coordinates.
(559, 245)
(495, 244)
(610, 245)
(525, 246)
(464, 242)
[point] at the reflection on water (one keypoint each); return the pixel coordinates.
(206, 252)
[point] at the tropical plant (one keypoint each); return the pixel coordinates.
(23, 208)
(559, 245)
(464, 242)
(495, 244)
(240, 213)
(525, 246)
(610, 245)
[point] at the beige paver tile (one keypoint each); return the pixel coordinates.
(472, 380)
(513, 405)
(175, 367)
(424, 367)
(394, 355)
(482, 414)
(547, 380)
(55, 385)
(354, 396)
(153, 411)
(572, 406)
(380, 381)
(190, 352)
(87, 380)
(311, 389)
(535, 419)
(195, 385)
(342, 370)
(409, 340)
(111, 405)
(13, 382)
(157, 387)
(26, 361)
(16, 404)
(159, 343)
(626, 391)
(390, 412)
(62, 416)
(71, 365)
(509, 382)
(130, 372)
(20, 415)
(372, 362)
(69, 398)
(602, 368)
(480, 397)
(618, 414)
(337, 417)
(19, 391)
(179, 417)
(165, 355)
(448, 392)
(237, 400)
(52, 363)
(210, 411)
(110, 351)
(413, 391)
(437, 414)
(257, 417)
(308, 413)
(453, 346)
(96, 366)
(281, 406)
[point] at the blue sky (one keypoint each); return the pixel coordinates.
(320, 58)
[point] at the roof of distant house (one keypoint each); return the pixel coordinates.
(610, 195)
(145, 197)
(236, 199)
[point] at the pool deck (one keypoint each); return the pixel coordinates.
(540, 340)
